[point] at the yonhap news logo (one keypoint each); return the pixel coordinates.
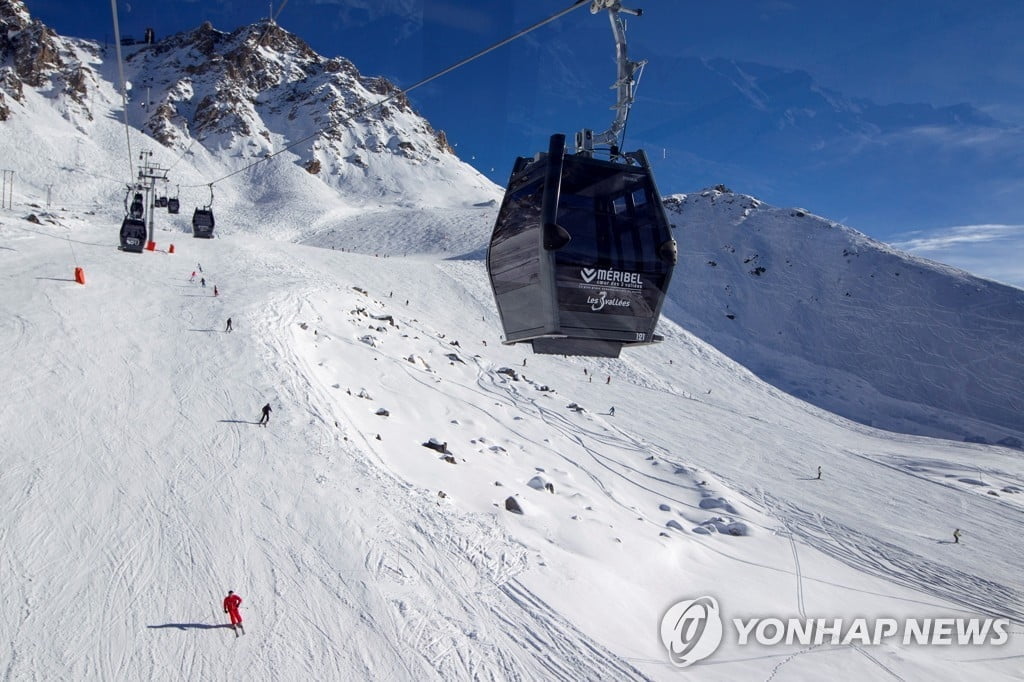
(692, 630)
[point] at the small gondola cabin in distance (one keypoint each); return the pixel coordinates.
(203, 221)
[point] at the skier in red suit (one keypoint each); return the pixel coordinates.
(231, 604)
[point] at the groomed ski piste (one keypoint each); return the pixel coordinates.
(136, 488)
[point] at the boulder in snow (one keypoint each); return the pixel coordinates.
(435, 444)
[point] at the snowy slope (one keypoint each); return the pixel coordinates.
(848, 323)
(137, 490)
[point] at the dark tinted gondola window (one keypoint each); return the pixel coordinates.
(513, 259)
(617, 231)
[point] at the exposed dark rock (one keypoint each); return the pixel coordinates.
(433, 444)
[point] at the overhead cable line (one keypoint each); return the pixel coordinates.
(182, 155)
(428, 79)
(124, 94)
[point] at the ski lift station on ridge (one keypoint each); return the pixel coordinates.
(582, 254)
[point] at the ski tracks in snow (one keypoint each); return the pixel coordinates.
(430, 594)
(901, 566)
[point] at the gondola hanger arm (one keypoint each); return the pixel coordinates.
(625, 81)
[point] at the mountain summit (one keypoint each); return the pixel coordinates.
(32, 55)
(239, 101)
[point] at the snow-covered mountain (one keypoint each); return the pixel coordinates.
(256, 112)
(848, 323)
(811, 306)
(33, 56)
(136, 487)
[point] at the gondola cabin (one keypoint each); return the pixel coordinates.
(133, 234)
(173, 205)
(202, 223)
(581, 254)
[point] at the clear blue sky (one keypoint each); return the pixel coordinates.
(934, 52)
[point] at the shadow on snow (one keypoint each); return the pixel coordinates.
(189, 626)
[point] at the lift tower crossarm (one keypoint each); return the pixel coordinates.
(148, 175)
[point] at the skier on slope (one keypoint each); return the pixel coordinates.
(228, 328)
(231, 604)
(265, 419)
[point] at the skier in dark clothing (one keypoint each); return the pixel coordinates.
(265, 419)
(228, 328)
(231, 604)
(202, 281)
